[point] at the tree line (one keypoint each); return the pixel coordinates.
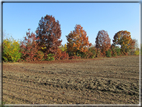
(45, 44)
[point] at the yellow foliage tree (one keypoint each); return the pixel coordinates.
(11, 49)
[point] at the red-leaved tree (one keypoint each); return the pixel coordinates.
(49, 33)
(29, 48)
(103, 41)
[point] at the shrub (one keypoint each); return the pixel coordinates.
(123, 53)
(61, 55)
(74, 57)
(40, 55)
(118, 51)
(70, 53)
(58, 54)
(63, 47)
(113, 49)
(11, 49)
(88, 54)
(114, 54)
(93, 51)
(131, 52)
(98, 54)
(64, 55)
(108, 53)
(50, 57)
(80, 54)
(137, 52)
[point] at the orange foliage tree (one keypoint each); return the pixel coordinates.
(103, 42)
(77, 41)
(124, 39)
(49, 33)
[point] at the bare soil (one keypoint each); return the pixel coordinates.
(97, 81)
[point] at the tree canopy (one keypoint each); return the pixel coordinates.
(124, 39)
(49, 33)
(103, 41)
(77, 40)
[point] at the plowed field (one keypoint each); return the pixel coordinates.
(98, 81)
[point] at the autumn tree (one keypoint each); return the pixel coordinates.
(49, 33)
(77, 40)
(10, 49)
(124, 39)
(29, 48)
(103, 42)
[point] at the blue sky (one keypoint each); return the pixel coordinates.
(93, 17)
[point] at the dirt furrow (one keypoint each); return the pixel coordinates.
(12, 100)
(53, 94)
(107, 81)
(14, 96)
(88, 83)
(43, 92)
